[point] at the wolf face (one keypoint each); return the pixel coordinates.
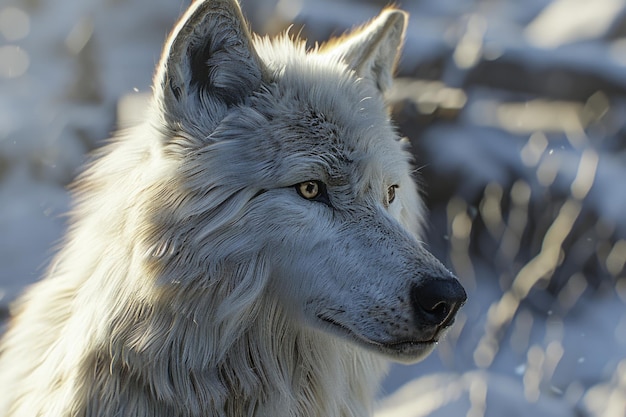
(292, 157)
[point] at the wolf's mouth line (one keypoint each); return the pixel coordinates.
(393, 345)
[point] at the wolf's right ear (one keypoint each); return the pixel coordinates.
(208, 60)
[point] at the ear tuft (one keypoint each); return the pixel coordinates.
(373, 50)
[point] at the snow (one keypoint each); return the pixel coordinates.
(72, 70)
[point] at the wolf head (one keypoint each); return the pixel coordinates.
(290, 182)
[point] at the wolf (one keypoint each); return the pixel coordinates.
(251, 249)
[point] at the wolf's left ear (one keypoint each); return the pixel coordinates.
(373, 50)
(208, 60)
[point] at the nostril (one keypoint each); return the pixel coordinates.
(439, 312)
(441, 309)
(436, 301)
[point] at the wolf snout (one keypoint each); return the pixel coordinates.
(436, 301)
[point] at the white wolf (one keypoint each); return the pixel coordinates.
(250, 250)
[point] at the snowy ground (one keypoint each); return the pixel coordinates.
(515, 110)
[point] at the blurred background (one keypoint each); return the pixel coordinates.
(516, 113)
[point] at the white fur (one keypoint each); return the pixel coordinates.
(194, 280)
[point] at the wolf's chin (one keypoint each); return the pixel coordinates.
(409, 352)
(404, 351)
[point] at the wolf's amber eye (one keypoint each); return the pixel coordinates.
(391, 193)
(314, 191)
(309, 189)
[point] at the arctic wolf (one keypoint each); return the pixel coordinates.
(252, 249)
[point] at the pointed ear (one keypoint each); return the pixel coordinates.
(372, 51)
(208, 60)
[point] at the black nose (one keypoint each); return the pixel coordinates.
(436, 301)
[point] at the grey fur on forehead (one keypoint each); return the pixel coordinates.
(337, 122)
(322, 88)
(311, 105)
